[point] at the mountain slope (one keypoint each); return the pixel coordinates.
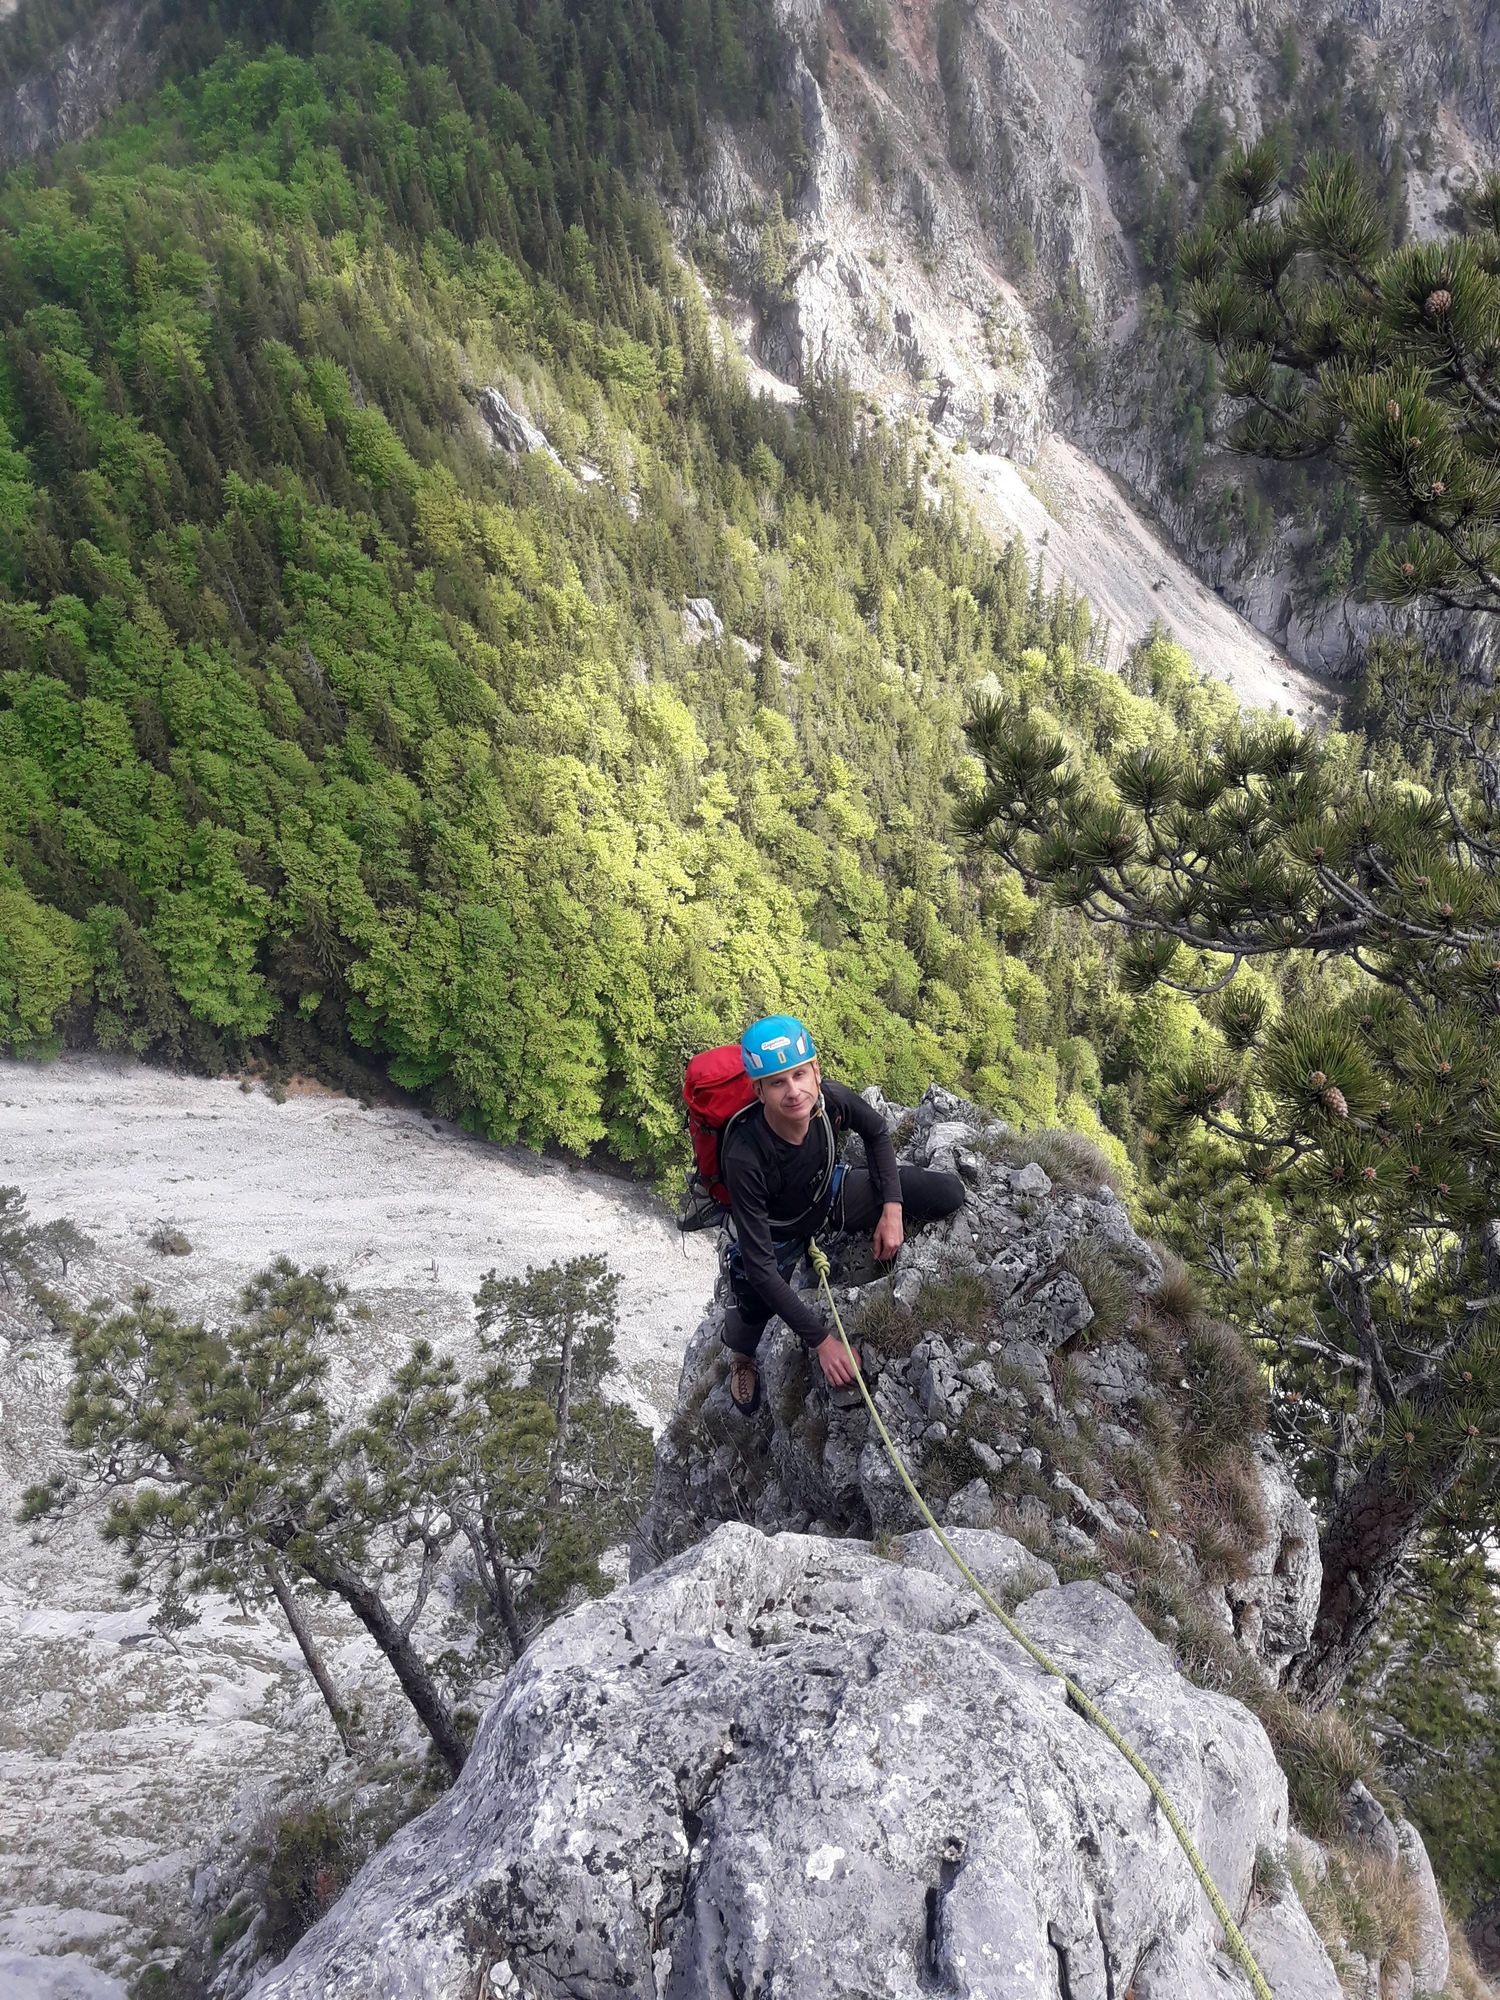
(982, 202)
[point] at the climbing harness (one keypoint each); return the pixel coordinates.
(1076, 1696)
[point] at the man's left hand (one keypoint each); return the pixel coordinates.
(889, 1232)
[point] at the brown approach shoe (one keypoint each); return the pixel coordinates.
(744, 1384)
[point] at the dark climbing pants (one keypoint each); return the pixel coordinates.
(925, 1197)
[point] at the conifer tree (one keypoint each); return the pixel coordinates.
(1369, 1107)
(1332, 340)
(218, 1455)
(226, 1470)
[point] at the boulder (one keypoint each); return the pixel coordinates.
(1286, 1948)
(1368, 1825)
(786, 1765)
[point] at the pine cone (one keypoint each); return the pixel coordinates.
(1438, 302)
(1335, 1102)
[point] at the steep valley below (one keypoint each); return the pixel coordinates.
(127, 1758)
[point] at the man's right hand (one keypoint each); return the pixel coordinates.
(835, 1362)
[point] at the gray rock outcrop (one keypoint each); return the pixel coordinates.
(1016, 1356)
(1431, 1955)
(510, 429)
(1274, 1605)
(785, 1765)
(109, 60)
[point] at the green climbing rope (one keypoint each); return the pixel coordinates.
(1080, 1701)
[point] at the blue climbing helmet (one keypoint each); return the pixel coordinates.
(778, 1042)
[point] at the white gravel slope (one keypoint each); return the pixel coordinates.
(410, 1212)
(1075, 518)
(120, 1761)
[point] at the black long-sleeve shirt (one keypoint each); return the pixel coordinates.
(773, 1187)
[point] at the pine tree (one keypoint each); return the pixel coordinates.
(1369, 1106)
(1332, 341)
(218, 1455)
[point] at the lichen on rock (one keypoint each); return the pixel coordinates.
(782, 1764)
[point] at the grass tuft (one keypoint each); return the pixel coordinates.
(1069, 1384)
(1223, 1515)
(958, 1305)
(1226, 1392)
(1072, 1163)
(1322, 1756)
(1107, 1286)
(1170, 1606)
(1177, 1297)
(1270, 1877)
(1465, 1979)
(1160, 1340)
(1365, 1905)
(887, 1325)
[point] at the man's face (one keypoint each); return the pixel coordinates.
(792, 1093)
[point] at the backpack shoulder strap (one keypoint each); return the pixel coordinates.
(831, 1139)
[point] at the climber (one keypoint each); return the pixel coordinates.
(786, 1183)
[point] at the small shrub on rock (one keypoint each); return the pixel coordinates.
(231, 1926)
(314, 1857)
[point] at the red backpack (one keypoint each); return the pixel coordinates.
(716, 1091)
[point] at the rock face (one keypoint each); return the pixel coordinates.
(1016, 1358)
(112, 59)
(785, 1765)
(967, 215)
(510, 430)
(1275, 1604)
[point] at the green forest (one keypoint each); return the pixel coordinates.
(325, 723)
(335, 737)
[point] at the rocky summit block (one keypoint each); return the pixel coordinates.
(788, 1767)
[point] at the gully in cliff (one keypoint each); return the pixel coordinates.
(766, 1129)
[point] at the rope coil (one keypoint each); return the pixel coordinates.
(1076, 1696)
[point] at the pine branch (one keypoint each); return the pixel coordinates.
(1361, 1319)
(1484, 397)
(1204, 992)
